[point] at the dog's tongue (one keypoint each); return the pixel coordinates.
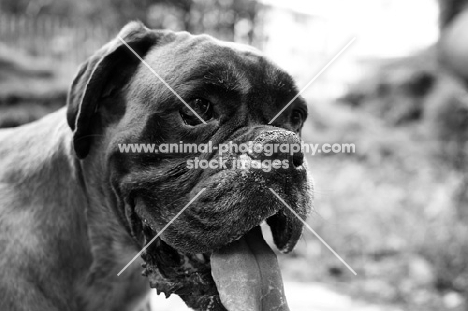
(247, 275)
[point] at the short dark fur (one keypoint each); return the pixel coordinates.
(67, 195)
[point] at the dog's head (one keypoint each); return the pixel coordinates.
(232, 92)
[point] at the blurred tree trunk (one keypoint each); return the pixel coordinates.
(253, 18)
(188, 17)
(449, 9)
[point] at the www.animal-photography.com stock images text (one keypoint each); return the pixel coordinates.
(234, 155)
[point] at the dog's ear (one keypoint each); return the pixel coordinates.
(100, 73)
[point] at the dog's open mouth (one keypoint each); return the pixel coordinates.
(242, 275)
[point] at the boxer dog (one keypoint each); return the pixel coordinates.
(75, 209)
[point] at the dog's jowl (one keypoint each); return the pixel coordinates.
(77, 206)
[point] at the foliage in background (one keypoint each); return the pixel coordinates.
(202, 16)
(42, 42)
(400, 203)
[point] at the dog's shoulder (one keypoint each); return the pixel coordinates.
(33, 159)
(42, 218)
(30, 143)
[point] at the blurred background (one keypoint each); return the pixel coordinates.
(397, 209)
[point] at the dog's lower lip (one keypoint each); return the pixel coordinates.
(188, 276)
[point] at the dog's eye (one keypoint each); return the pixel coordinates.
(201, 106)
(297, 119)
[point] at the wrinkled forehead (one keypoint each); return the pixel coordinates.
(233, 66)
(201, 47)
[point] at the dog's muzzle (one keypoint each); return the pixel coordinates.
(213, 254)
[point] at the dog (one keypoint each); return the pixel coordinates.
(75, 209)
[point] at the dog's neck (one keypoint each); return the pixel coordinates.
(111, 246)
(79, 235)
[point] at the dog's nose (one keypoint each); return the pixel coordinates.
(279, 144)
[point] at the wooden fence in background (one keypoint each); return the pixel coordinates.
(66, 43)
(59, 40)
